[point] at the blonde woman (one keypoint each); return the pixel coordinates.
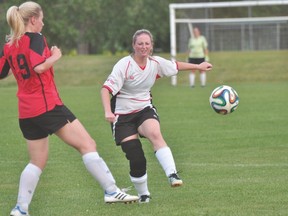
(132, 113)
(41, 110)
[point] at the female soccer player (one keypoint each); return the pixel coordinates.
(41, 111)
(198, 53)
(131, 110)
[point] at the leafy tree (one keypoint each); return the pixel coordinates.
(96, 26)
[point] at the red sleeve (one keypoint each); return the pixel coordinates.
(177, 65)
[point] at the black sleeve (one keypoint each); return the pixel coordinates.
(37, 43)
(4, 66)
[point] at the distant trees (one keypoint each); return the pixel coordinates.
(97, 26)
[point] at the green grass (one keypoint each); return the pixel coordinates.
(231, 165)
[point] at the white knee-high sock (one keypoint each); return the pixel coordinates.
(166, 160)
(203, 78)
(141, 185)
(192, 79)
(100, 171)
(28, 182)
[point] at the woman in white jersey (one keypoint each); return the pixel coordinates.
(198, 53)
(131, 111)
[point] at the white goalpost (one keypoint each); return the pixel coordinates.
(174, 20)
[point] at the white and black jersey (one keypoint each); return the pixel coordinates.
(130, 84)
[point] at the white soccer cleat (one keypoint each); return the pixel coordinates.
(18, 212)
(120, 197)
(175, 180)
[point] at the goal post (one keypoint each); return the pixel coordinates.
(238, 21)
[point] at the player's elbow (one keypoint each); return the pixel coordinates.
(40, 69)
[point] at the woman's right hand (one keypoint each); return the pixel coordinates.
(205, 66)
(56, 52)
(110, 117)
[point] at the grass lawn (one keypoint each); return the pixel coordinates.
(231, 165)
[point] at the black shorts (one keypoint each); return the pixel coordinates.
(127, 125)
(196, 60)
(46, 124)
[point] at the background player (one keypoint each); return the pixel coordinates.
(198, 53)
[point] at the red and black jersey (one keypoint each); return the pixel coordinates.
(37, 93)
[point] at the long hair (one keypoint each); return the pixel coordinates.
(18, 18)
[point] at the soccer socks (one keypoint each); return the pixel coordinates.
(203, 78)
(141, 185)
(28, 182)
(166, 160)
(100, 171)
(192, 79)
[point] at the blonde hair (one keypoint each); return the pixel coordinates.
(18, 18)
(142, 31)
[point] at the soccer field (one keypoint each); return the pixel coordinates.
(231, 165)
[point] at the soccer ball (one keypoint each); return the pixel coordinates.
(224, 100)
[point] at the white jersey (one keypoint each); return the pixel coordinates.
(131, 85)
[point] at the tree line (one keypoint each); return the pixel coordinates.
(97, 26)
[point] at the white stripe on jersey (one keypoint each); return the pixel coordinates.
(132, 84)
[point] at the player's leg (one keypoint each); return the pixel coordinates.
(203, 78)
(75, 135)
(192, 73)
(192, 78)
(134, 153)
(37, 144)
(150, 129)
(126, 135)
(38, 152)
(202, 75)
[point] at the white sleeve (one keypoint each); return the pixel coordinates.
(166, 67)
(115, 80)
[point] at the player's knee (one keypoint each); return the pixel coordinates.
(135, 155)
(154, 136)
(88, 145)
(92, 144)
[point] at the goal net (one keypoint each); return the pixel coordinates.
(230, 26)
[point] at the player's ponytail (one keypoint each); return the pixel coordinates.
(16, 23)
(18, 18)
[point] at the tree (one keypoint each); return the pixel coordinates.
(95, 26)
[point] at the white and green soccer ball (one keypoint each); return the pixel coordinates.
(224, 100)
